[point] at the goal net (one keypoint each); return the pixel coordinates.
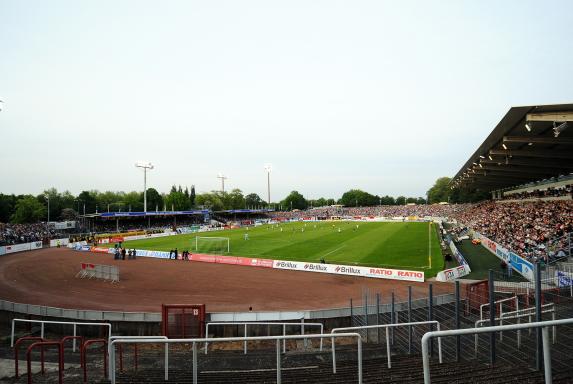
(212, 244)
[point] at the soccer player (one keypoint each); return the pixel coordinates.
(246, 236)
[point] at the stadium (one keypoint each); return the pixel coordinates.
(472, 283)
(386, 275)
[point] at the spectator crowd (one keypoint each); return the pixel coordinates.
(389, 211)
(533, 230)
(566, 190)
(11, 234)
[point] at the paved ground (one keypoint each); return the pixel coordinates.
(46, 277)
(7, 367)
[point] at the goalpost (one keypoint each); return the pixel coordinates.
(213, 244)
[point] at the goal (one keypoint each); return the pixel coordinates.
(212, 244)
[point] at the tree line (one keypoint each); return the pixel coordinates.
(66, 206)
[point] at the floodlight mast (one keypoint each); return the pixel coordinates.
(223, 178)
(145, 165)
(268, 168)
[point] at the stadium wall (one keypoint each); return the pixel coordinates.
(149, 323)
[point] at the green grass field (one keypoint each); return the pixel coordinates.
(392, 245)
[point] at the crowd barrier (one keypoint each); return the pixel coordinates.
(519, 264)
(99, 271)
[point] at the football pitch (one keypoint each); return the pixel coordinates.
(403, 245)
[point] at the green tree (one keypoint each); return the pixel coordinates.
(252, 200)
(294, 201)
(321, 202)
(420, 200)
(68, 214)
(400, 200)
(89, 199)
(440, 191)
(7, 206)
(133, 201)
(236, 199)
(209, 201)
(357, 197)
(154, 200)
(192, 196)
(387, 200)
(176, 200)
(411, 200)
(468, 195)
(29, 210)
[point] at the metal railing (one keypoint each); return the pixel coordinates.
(112, 338)
(231, 339)
(520, 314)
(387, 327)
(42, 322)
(544, 325)
(481, 307)
(245, 324)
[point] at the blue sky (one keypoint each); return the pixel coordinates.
(384, 96)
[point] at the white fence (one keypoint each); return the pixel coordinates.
(194, 342)
(544, 325)
(245, 325)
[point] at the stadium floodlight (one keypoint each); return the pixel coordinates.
(557, 129)
(145, 165)
(48, 200)
(504, 146)
(490, 158)
(528, 126)
(268, 168)
(481, 166)
(223, 178)
(481, 156)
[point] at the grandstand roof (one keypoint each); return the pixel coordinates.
(522, 148)
(147, 214)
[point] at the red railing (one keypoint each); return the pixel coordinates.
(80, 338)
(17, 344)
(121, 356)
(43, 344)
(84, 356)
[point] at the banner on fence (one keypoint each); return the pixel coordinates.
(36, 245)
(234, 260)
(18, 248)
(564, 279)
(144, 253)
(2, 250)
(453, 273)
(519, 264)
(458, 255)
(379, 273)
(100, 250)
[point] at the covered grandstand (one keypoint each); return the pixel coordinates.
(530, 144)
